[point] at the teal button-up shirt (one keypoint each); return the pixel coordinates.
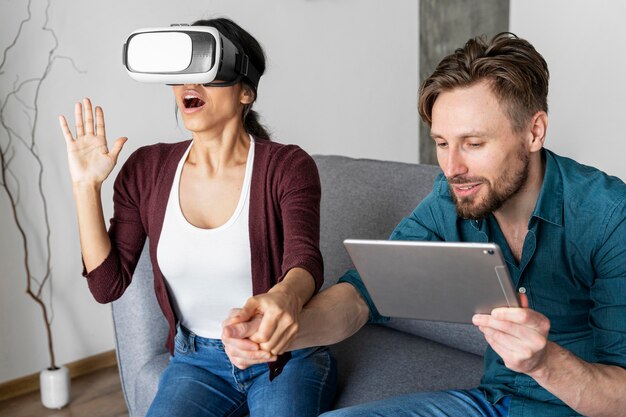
(573, 268)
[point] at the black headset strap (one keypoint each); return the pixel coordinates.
(223, 83)
(246, 69)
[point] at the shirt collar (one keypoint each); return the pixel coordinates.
(550, 202)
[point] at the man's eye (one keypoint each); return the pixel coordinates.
(474, 145)
(442, 145)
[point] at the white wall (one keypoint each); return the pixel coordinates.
(342, 79)
(583, 42)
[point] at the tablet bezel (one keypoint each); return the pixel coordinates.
(401, 280)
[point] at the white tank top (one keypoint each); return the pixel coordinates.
(208, 271)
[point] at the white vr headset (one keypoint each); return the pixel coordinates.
(183, 54)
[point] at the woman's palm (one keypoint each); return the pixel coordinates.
(89, 158)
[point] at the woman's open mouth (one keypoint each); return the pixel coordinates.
(192, 103)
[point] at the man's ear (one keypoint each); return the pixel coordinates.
(538, 129)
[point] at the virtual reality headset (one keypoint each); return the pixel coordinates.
(183, 54)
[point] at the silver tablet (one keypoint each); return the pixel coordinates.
(439, 281)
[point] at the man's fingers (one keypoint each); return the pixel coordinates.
(500, 340)
(504, 326)
(242, 363)
(240, 344)
(523, 300)
(243, 358)
(522, 316)
(509, 333)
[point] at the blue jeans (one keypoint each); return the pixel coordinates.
(200, 381)
(460, 403)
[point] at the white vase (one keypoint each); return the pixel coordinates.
(55, 387)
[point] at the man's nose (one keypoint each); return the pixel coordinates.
(454, 164)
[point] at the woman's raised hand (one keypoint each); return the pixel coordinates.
(89, 157)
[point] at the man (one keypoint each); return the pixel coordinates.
(562, 230)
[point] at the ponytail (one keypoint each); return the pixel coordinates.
(253, 125)
(252, 119)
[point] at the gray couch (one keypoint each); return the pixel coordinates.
(360, 199)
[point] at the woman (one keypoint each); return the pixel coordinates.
(232, 219)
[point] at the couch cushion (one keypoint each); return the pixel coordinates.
(378, 362)
(147, 383)
(457, 335)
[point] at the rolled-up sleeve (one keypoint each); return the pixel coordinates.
(352, 277)
(608, 316)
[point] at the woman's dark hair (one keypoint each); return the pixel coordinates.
(251, 47)
(518, 75)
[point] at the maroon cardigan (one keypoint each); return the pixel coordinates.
(283, 222)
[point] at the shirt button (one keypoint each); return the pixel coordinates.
(522, 290)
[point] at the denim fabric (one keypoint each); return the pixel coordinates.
(572, 269)
(200, 381)
(458, 403)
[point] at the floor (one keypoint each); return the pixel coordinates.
(98, 394)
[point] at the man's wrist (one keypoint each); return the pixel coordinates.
(544, 370)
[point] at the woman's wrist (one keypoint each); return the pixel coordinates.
(287, 291)
(297, 283)
(86, 186)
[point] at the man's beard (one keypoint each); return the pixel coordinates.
(506, 186)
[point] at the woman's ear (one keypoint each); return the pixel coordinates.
(247, 95)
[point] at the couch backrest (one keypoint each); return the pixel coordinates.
(366, 199)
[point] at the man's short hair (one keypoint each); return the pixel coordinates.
(518, 75)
